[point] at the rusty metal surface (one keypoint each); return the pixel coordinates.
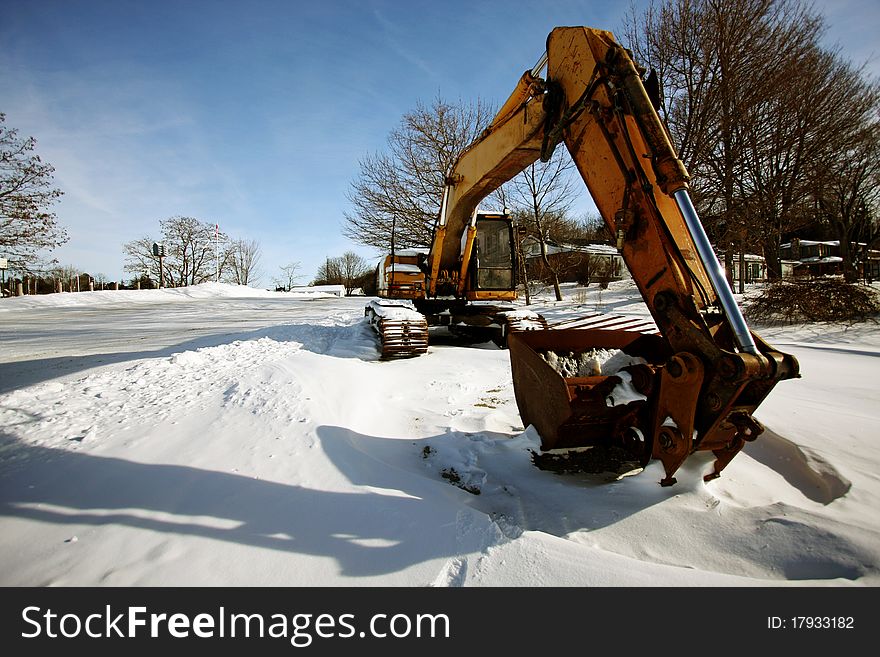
(399, 337)
(692, 404)
(573, 412)
(606, 321)
(402, 338)
(673, 418)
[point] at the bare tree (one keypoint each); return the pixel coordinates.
(66, 275)
(191, 252)
(289, 276)
(346, 270)
(736, 75)
(807, 130)
(352, 267)
(139, 259)
(329, 273)
(849, 194)
(243, 261)
(396, 196)
(542, 195)
(26, 192)
(193, 247)
(592, 228)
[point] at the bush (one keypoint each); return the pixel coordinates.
(822, 300)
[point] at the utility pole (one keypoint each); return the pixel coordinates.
(217, 248)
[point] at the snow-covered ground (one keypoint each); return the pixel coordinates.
(229, 436)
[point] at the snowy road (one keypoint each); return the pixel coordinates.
(46, 341)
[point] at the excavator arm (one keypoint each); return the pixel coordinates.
(698, 383)
(506, 148)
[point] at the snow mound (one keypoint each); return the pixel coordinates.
(130, 297)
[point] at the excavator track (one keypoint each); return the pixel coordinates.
(402, 330)
(402, 338)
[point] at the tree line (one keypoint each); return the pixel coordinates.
(198, 252)
(194, 251)
(779, 134)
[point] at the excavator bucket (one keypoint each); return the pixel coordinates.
(586, 387)
(625, 389)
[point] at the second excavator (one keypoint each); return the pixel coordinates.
(694, 384)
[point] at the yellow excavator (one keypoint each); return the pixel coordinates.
(692, 385)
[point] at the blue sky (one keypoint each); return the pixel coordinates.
(253, 115)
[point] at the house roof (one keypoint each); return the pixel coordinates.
(533, 249)
(814, 243)
(820, 260)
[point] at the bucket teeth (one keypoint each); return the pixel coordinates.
(402, 338)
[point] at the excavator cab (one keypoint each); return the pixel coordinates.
(493, 259)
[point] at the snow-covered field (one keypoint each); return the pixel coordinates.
(227, 436)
